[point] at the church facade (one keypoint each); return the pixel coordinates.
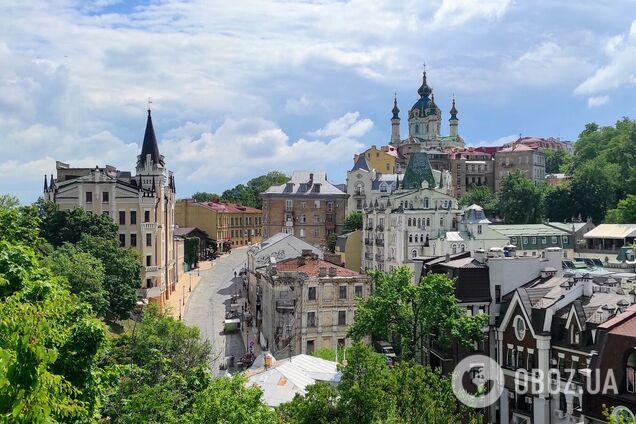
(142, 205)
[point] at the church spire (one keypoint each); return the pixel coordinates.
(424, 90)
(395, 122)
(453, 111)
(149, 146)
(395, 109)
(46, 186)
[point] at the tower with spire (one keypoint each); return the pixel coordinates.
(141, 204)
(453, 121)
(395, 122)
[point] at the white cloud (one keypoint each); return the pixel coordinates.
(242, 148)
(458, 12)
(597, 101)
(497, 142)
(304, 105)
(620, 70)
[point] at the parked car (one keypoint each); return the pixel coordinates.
(385, 349)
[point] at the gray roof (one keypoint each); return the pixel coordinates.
(528, 230)
(567, 226)
(306, 183)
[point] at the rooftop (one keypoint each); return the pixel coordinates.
(311, 265)
(612, 231)
(528, 230)
(306, 183)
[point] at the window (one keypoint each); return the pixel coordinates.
(133, 217)
(122, 218)
(479, 229)
(289, 204)
(630, 373)
(358, 290)
(410, 238)
(89, 196)
(574, 336)
(122, 240)
(534, 240)
(509, 357)
(554, 240)
(414, 253)
(148, 260)
(146, 216)
(543, 240)
(498, 294)
(311, 319)
(342, 317)
(563, 405)
(342, 293)
(530, 364)
(409, 221)
(329, 206)
(565, 239)
(316, 232)
(441, 222)
(105, 196)
(341, 342)
(524, 240)
(359, 204)
(316, 219)
(149, 239)
(310, 347)
(311, 293)
(428, 222)
(133, 240)
(454, 248)
(317, 204)
(302, 233)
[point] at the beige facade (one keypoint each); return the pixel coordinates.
(240, 225)
(308, 206)
(529, 161)
(308, 304)
(142, 206)
(469, 169)
(349, 248)
(382, 159)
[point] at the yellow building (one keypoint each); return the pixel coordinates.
(382, 159)
(237, 224)
(349, 248)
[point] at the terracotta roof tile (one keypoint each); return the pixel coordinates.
(312, 267)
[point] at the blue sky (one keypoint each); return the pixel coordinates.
(240, 88)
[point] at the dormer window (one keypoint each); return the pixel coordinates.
(575, 335)
(520, 327)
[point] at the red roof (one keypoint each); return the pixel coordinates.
(227, 207)
(623, 324)
(311, 266)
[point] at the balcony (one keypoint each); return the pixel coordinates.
(289, 223)
(368, 255)
(149, 226)
(379, 227)
(152, 271)
(369, 227)
(379, 242)
(368, 242)
(358, 193)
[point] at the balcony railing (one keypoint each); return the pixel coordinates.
(379, 227)
(289, 223)
(368, 242)
(149, 226)
(369, 227)
(379, 242)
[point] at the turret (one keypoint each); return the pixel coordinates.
(395, 122)
(453, 121)
(46, 186)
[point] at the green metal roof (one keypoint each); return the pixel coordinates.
(531, 230)
(418, 170)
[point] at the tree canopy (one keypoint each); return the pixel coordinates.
(520, 200)
(8, 201)
(624, 213)
(352, 222)
(405, 313)
(556, 161)
(482, 196)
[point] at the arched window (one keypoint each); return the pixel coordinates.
(454, 247)
(419, 222)
(413, 253)
(428, 222)
(441, 222)
(426, 203)
(417, 128)
(462, 248)
(409, 222)
(410, 238)
(630, 372)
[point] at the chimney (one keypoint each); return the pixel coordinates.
(306, 252)
(300, 260)
(322, 271)
(333, 271)
(446, 257)
(480, 255)
(311, 178)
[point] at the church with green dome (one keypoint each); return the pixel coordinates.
(425, 125)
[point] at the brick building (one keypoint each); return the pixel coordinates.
(308, 206)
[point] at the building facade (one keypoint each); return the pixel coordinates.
(531, 163)
(531, 239)
(142, 205)
(470, 168)
(225, 222)
(307, 304)
(382, 160)
(308, 206)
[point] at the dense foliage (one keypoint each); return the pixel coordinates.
(245, 194)
(371, 392)
(405, 313)
(191, 251)
(482, 196)
(520, 200)
(352, 222)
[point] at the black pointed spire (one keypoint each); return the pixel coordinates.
(150, 146)
(395, 109)
(51, 183)
(453, 111)
(46, 186)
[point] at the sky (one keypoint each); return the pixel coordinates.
(241, 88)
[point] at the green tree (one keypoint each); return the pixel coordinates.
(624, 213)
(49, 340)
(482, 196)
(240, 194)
(520, 200)
(405, 313)
(68, 226)
(8, 201)
(555, 159)
(203, 196)
(332, 239)
(352, 222)
(226, 401)
(191, 251)
(594, 189)
(263, 182)
(85, 275)
(558, 203)
(122, 273)
(318, 406)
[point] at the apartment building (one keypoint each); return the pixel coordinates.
(233, 223)
(308, 206)
(531, 162)
(307, 304)
(471, 168)
(142, 205)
